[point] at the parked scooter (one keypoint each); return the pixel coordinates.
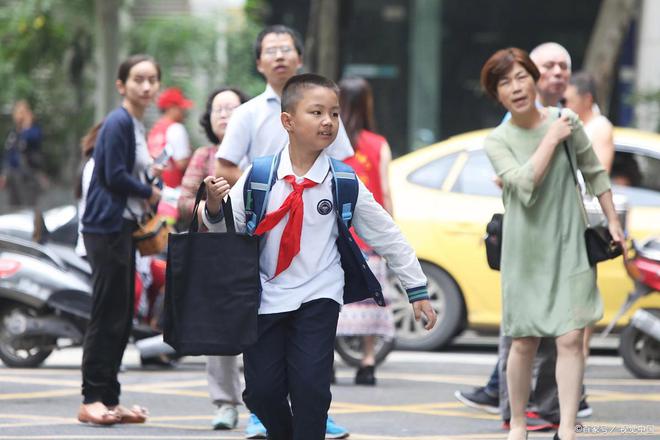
(639, 343)
(45, 287)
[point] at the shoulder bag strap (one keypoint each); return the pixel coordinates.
(577, 184)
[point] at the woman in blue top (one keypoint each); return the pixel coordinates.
(119, 192)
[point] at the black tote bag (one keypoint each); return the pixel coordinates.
(212, 289)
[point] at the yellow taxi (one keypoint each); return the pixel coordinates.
(444, 195)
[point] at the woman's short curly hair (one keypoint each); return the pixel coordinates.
(205, 118)
(500, 63)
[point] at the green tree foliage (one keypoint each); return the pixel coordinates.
(45, 46)
(240, 69)
(46, 56)
(188, 51)
(651, 98)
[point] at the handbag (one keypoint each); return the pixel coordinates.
(151, 235)
(493, 240)
(600, 244)
(212, 289)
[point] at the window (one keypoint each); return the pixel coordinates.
(637, 170)
(433, 174)
(638, 196)
(637, 176)
(477, 176)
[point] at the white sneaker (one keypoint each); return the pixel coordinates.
(226, 417)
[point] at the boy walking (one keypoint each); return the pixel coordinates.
(301, 272)
(255, 130)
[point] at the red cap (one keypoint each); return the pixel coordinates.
(173, 97)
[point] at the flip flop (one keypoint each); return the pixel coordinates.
(109, 417)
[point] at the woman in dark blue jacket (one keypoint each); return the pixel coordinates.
(119, 192)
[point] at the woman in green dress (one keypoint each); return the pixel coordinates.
(548, 286)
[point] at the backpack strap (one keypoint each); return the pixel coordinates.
(345, 190)
(263, 176)
(259, 181)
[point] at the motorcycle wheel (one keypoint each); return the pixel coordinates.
(17, 352)
(349, 349)
(640, 353)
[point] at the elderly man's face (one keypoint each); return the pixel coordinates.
(555, 69)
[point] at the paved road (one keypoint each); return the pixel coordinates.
(413, 400)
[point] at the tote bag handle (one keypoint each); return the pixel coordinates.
(226, 210)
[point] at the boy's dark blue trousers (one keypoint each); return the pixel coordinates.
(292, 358)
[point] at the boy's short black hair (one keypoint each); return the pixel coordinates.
(292, 92)
(278, 29)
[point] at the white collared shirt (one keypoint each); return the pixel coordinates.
(316, 271)
(255, 130)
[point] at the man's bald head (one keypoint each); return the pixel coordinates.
(554, 64)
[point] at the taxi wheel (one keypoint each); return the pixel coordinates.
(447, 302)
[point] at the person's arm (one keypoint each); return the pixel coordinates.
(194, 175)
(376, 227)
(235, 145)
(595, 176)
(117, 145)
(229, 170)
(525, 178)
(614, 226)
(177, 138)
(385, 159)
(603, 144)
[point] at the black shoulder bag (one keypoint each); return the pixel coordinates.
(493, 240)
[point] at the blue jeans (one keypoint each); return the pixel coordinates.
(493, 386)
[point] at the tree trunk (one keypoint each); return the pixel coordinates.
(322, 42)
(107, 24)
(607, 36)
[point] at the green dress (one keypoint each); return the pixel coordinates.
(548, 286)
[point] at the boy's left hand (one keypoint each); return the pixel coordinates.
(425, 307)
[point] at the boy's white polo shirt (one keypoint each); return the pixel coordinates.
(255, 130)
(316, 271)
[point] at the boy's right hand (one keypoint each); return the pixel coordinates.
(217, 189)
(424, 307)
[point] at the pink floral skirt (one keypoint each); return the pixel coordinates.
(366, 317)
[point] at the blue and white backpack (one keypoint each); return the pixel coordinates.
(359, 282)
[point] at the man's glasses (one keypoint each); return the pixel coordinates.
(271, 51)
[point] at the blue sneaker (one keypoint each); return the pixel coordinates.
(332, 430)
(255, 429)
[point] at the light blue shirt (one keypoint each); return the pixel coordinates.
(255, 130)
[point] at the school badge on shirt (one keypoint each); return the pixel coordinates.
(324, 207)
